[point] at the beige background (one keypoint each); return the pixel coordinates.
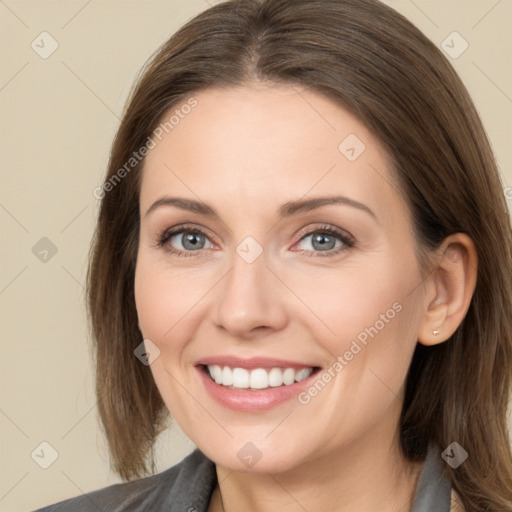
(58, 118)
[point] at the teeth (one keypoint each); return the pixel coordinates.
(289, 376)
(227, 377)
(216, 374)
(259, 378)
(303, 373)
(240, 378)
(275, 377)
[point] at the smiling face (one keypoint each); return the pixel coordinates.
(273, 239)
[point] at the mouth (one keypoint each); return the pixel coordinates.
(237, 378)
(254, 384)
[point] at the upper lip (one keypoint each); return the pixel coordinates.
(252, 362)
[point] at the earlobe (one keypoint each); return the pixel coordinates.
(450, 289)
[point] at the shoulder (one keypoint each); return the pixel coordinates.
(185, 486)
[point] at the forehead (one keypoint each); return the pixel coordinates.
(276, 142)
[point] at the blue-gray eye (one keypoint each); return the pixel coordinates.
(320, 242)
(189, 241)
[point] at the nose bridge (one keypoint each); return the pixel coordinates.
(249, 296)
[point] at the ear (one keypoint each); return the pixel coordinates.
(449, 289)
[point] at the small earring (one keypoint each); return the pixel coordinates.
(435, 332)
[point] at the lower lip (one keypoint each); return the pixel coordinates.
(245, 400)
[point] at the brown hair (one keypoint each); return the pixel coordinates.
(376, 64)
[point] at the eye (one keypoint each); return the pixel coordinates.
(183, 240)
(325, 240)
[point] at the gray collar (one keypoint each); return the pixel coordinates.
(433, 491)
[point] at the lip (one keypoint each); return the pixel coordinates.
(252, 362)
(245, 400)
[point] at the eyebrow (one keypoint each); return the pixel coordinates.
(286, 210)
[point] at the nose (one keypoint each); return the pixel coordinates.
(250, 300)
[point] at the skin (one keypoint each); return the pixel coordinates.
(245, 152)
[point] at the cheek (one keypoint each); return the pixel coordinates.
(357, 302)
(373, 347)
(378, 352)
(373, 315)
(165, 298)
(165, 306)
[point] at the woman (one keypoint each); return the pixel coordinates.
(303, 254)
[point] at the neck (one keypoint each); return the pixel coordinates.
(363, 476)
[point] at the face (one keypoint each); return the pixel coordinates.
(277, 255)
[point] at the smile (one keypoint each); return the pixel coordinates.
(257, 378)
(254, 384)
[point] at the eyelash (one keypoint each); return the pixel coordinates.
(348, 241)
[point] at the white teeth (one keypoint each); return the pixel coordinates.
(259, 378)
(216, 374)
(275, 377)
(302, 374)
(240, 378)
(289, 376)
(227, 377)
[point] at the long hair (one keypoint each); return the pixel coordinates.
(373, 62)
